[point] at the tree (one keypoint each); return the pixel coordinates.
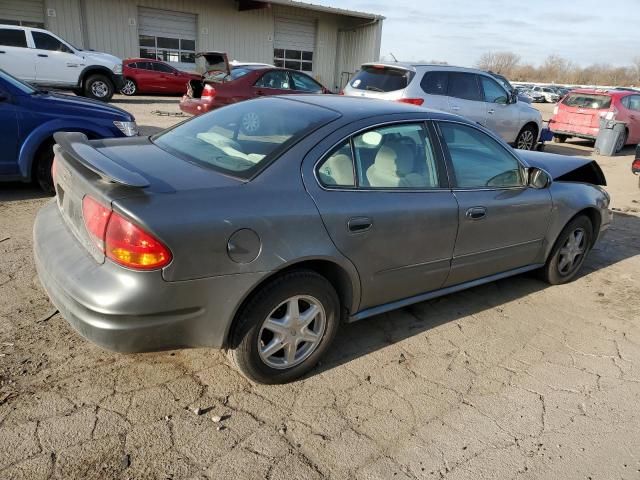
(503, 63)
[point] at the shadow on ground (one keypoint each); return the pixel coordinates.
(15, 191)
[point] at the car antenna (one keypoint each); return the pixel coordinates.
(394, 57)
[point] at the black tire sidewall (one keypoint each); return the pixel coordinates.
(531, 129)
(551, 273)
(94, 78)
(42, 173)
(244, 341)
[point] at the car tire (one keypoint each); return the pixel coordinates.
(263, 322)
(569, 251)
(98, 87)
(129, 89)
(559, 138)
(42, 169)
(527, 138)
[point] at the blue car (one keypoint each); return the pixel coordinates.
(29, 117)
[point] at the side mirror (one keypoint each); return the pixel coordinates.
(538, 178)
(513, 97)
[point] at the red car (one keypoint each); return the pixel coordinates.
(580, 111)
(242, 83)
(144, 75)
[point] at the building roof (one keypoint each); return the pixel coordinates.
(322, 8)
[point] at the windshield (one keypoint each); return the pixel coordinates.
(585, 100)
(20, 85)
(242, 139)
(381, 79)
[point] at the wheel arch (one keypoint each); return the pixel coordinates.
(94, 69)
(339, 277)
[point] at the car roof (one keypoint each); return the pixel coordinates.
(413, 66)
(604, 91)
(129, 60)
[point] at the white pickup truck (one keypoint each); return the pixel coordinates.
(42, 58)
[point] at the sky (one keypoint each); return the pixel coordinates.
(459, 31)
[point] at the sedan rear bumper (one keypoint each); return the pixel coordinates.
(127, 311)
(195, 106)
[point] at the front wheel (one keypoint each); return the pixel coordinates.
(98, 87)
(129, 88)
(285, 327)
(527, 138)
(569, 251)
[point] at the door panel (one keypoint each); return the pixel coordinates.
(465, 97)
(9, 136)
(393, 219)
(502, 117)
(56, 64)
(15, 56)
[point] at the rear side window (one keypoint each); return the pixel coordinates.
(586, 100)
(277, 79)
(632, 102)
(382, 79)
(13, 38)
(435, 83)
(464, 86)
(337, 169)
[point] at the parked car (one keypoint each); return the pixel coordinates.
(536, 97)
(548, 93)
(242, 83)
(469, 92)
(579, 114)
(172, 251)
(143, 75)
(29, 118)
(42, 58)
(635, 165)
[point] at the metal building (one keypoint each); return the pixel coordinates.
(330, 43)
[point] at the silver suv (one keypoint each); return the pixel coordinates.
(469, 92)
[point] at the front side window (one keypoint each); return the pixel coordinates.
(435, 83)
(493, 93)
(161, 67)
(44, 41)
(478, 160)
(242, 139)
(305, 83)
(464, 86)
(276, 79)
(337, 169)
(13, 38)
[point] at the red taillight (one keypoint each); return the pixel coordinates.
(635, 166)
(412, 101)
(96, 216)
(121, 240)
(208, 93)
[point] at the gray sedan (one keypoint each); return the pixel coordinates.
(263, 240)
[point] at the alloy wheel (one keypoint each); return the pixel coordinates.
(129, 88)
(292, 332)
(525, 140)
(572, 251)
(99, 89)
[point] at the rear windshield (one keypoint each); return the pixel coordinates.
(381, 79)
(242, 139)
(587, 100)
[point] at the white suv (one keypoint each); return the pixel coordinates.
(39, 57)
(469, 92)
(548, 93)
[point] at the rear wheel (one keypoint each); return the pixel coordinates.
(527, 137)
(560, 138)
(285, 327)
(569, 252)
(98, 87)
(129, 88)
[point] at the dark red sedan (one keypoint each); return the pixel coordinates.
(144, 75)
(244, 82)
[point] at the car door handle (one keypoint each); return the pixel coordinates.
(476, 213)
(455, 108)
(42, 55)
(359, 224)
(2, 51)
(491, 112)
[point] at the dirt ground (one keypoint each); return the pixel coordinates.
(513, 379)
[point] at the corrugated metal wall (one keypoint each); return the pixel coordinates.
(22, 10)
(112, 26)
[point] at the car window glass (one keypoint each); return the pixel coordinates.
(305, 83)
(493, 93)
(278, 79)
(133, 65)
(398, 156)
(464, 86)
(379, 78)
(44, 41)
(478, 160)
(435, 83)
(337, 168)
(633, 102)
(161, 67)
(13, 38)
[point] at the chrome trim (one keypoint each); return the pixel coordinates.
(413, 265)
(480, 252)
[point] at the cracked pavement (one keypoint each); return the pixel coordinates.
(513, 379)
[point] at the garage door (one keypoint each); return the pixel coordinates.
(29, 13)
(168, 36)
(294, 43)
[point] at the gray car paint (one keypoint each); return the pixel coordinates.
(194, 300)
